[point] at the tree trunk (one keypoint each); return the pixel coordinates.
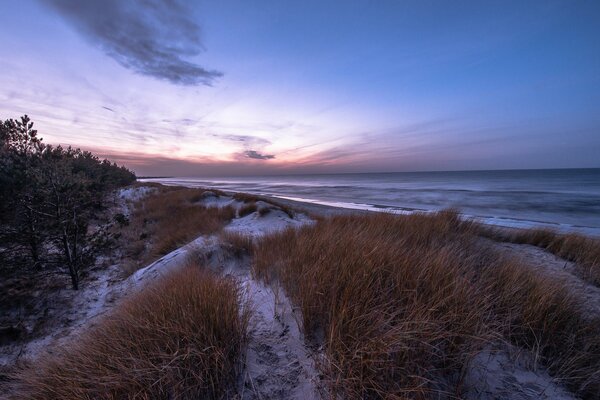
(32, 236)
(73, 270)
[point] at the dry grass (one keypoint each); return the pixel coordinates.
(247, 209)
(582, 250)
(401, 303)
(181, 338)
(539, 313)
(167, 220)
(251, 198)
(282, 207)
(238, 243)
(246, 197)
(264, 211)
(389, 297)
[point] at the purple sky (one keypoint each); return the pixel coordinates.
(270, 87)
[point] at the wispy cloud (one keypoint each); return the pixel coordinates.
(150, 37)
(258, 156)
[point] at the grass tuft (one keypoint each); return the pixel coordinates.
(583, 251)
(238, 243)
(247, 209)
(540, 313)
(167, 220)
(182, 338)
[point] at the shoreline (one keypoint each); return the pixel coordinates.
(328, 208)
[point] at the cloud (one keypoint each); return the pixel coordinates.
(161, 165)
(247, 140)
(150, 37)
(258, 156)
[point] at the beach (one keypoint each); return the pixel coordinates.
(299, 200)
(283, 359)
(565, 200)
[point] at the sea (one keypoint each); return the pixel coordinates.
(561, 199)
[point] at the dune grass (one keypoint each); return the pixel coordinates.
(400, 303)
(582, 250)
(168, 219)
(247, 209)
(181, 338)
(251, 198)
(392, 304)
(539, 312)
(237, 243)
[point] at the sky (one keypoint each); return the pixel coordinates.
(217, 88)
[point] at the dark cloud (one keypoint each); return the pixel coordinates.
(108, 108)
(258, 156)
(247, 140)
(150, 37)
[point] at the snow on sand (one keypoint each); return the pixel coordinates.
(279, 364)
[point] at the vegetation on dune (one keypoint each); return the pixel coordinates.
(182, 338)
(236, 242)
(48, 198)
(583, 251)
(400, 304)
(540, 313)
(392, 303)
(167, 219)
(251, 198)
(247, 209)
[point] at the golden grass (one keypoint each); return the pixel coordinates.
(582, 250)
(168, 219)
(538, 312)
(400, 303)
(389, 298)
(181, 338)
(236, 242)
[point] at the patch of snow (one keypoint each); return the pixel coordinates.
(278, 364)
(70, 312)
(220, 201)
(505, 373)
(259, 225)
(135, 193)
(168, 262)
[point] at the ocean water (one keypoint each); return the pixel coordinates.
(564, 199)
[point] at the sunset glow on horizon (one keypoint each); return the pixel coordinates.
(234, 88)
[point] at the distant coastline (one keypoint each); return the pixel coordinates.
(561, 199)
